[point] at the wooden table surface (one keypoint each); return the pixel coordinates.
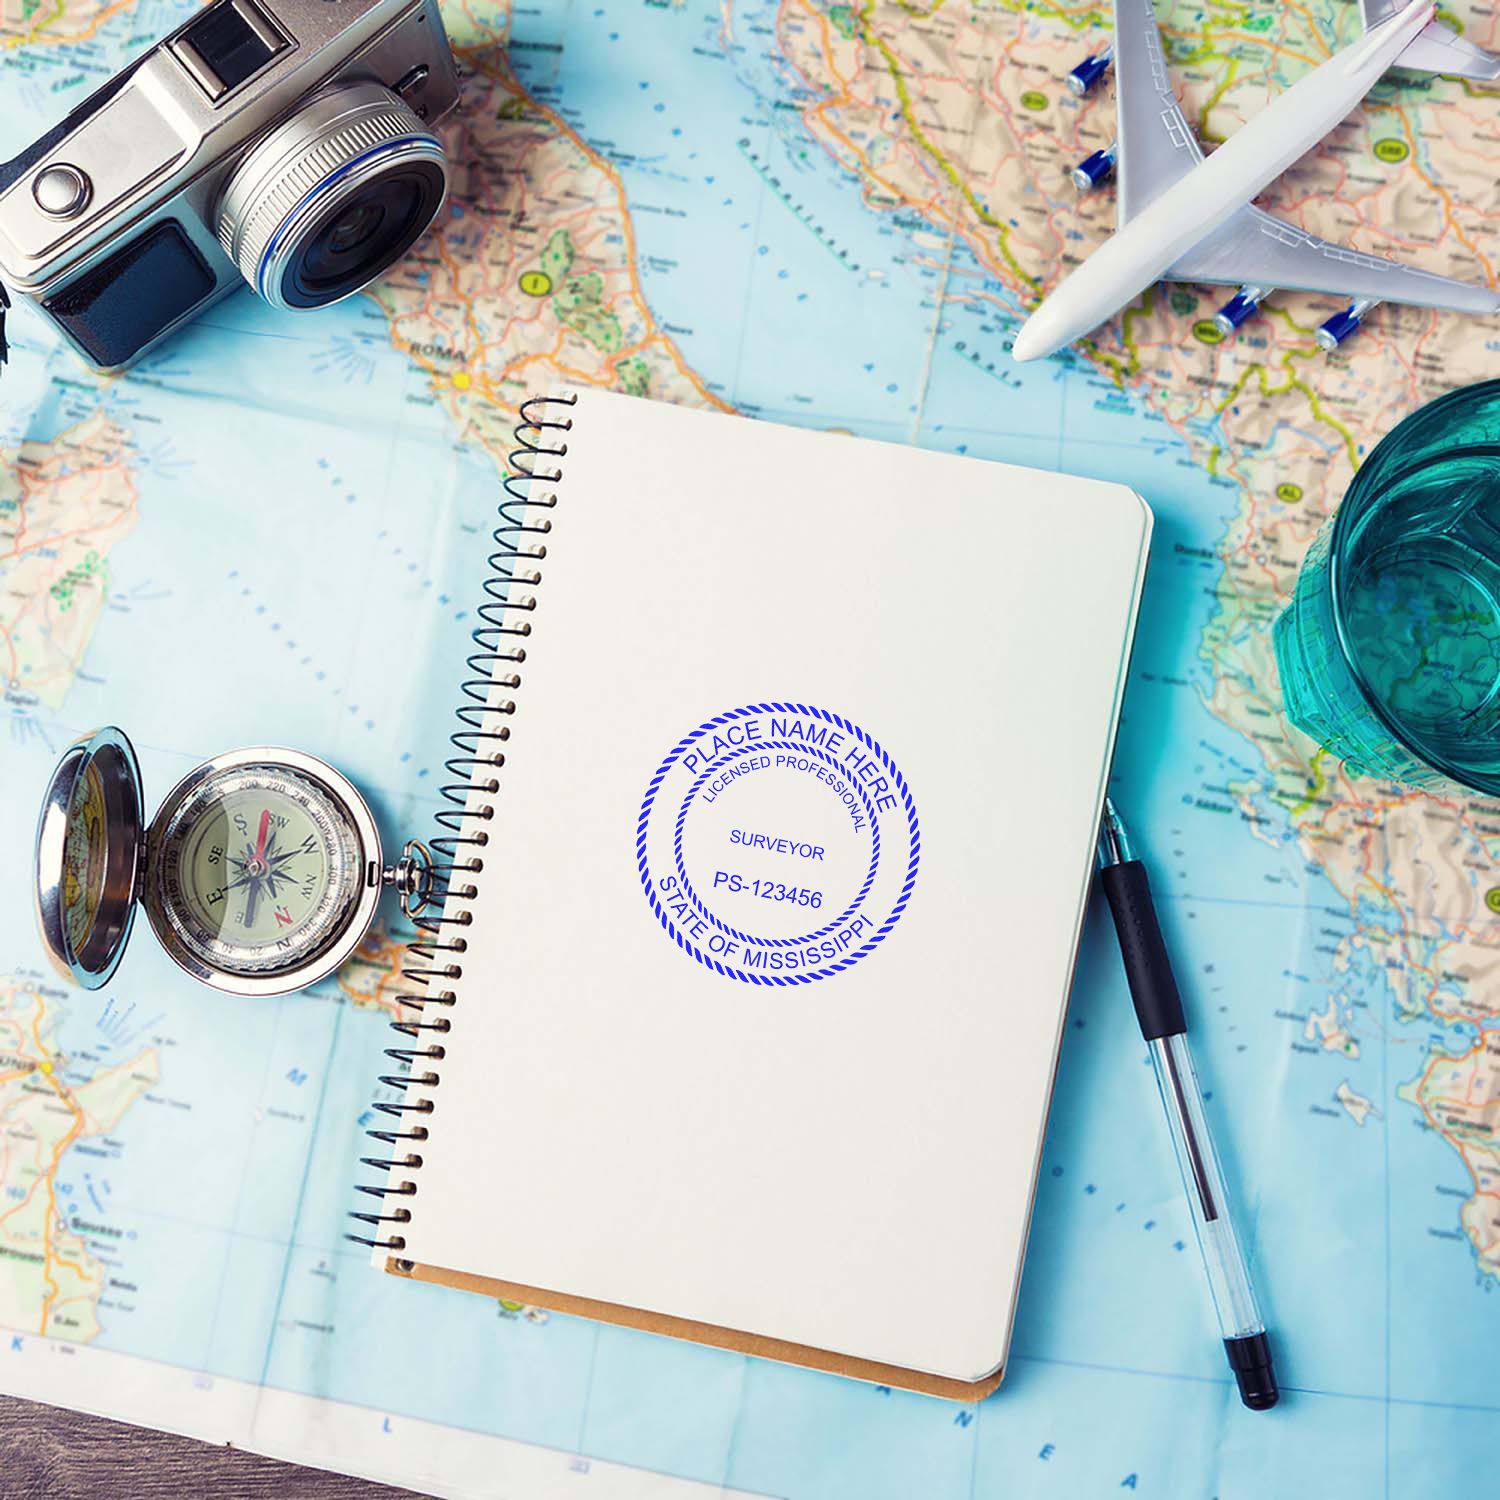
(50, 1454)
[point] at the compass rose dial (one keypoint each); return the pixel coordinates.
(257, 870)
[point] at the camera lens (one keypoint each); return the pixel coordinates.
(332, 197)
(354, 226)
(369, 231)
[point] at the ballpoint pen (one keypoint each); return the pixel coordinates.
(1158, 1008)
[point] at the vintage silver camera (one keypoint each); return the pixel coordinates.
(283, 143)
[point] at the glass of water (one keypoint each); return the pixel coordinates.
(1389, 652)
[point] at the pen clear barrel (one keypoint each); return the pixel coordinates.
(1228, 1276)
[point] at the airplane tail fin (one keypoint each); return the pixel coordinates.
(1436, 49)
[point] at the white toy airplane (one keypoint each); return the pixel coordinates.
(1186, 217)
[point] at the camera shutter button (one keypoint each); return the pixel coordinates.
(61, 191)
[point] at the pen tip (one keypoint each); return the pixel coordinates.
(1114, 842)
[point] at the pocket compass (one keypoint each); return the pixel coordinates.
(260, 873)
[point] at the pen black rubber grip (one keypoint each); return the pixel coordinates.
(1158, 1006)
(1254, 1372)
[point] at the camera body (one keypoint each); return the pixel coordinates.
(283, 143)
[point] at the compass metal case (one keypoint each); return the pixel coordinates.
(260, 873)
(346, 901)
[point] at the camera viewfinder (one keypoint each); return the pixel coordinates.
(227, 44)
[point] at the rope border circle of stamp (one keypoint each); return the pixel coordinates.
(851, 765)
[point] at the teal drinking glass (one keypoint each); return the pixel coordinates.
(1389, 652)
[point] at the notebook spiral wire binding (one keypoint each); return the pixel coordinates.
(434, 955)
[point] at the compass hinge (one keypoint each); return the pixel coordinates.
(411, 877)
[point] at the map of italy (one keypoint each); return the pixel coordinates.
(952, 124)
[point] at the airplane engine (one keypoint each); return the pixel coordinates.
(1240, 308)
(1090, 71)
(1342, 326)
(1096, 168)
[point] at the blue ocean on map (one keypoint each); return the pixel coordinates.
(343, 630)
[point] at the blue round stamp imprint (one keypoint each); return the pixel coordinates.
(778, 843)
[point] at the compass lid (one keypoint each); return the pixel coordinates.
(89, 843)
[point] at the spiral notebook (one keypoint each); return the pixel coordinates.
(773, 822)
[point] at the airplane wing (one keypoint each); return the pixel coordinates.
(1156, 148)
(1155, 145)
(1436, 49)
(1255, 249)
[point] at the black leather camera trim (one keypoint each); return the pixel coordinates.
(119, 306)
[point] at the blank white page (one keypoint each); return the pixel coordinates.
(854, 1099)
